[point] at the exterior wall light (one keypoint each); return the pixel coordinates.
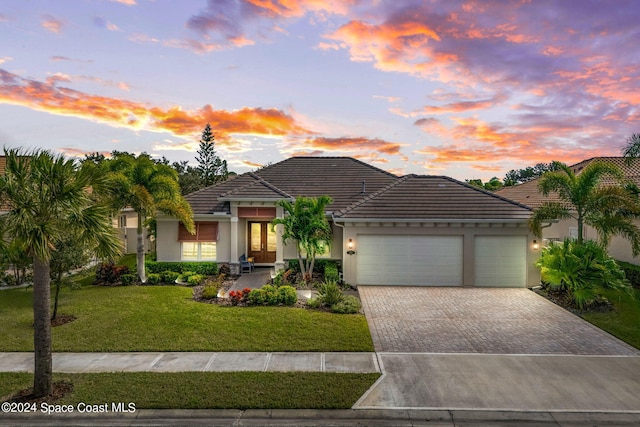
(350, 247)
(536, 245)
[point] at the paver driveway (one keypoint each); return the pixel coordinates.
(479, 320)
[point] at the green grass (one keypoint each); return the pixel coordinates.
(165, 318)
(624, 320)
(207, 390)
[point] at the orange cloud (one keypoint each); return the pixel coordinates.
(355, 144)
(251, 164)
(52, 24)
(117, 112)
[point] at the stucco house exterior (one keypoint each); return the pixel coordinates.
(387, 230)
(528, 194)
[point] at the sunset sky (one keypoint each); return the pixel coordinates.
(468, 89)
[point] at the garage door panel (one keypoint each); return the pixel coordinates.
(410, 260)
(500, 261)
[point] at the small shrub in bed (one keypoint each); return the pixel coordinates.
(348, 305)
(154, 278)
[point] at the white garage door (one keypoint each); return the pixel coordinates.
(409, 260)
(501, 261)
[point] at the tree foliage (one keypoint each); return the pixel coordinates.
(145, 186)
(493, 184)
(609, 209)
(306, 224)
(50, 198)
(67, 256)
(581, 270)
(519, 176)
(212, 169)
(631, 150)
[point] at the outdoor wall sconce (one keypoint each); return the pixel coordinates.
(350, 250)
(536, 245)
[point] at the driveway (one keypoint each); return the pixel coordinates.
(493, 350)
(479, 320)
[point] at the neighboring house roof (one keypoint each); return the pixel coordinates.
(360, 191)
(434, 197)
(3, 163)
(528, 193)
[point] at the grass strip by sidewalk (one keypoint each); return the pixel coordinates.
(207, 390)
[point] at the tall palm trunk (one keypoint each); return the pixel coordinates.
(140, 252)
(41, 328)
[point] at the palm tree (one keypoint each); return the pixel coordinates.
(306, 223)
(632, 149)
(146, 187)
(610, 209)
(48, 199)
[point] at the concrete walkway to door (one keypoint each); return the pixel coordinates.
(493, 350)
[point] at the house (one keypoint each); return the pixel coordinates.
(528, 194)
(387, 230)
(126, 222)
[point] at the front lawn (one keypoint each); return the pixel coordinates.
(624, 320)
(207, 390)
(165, 318)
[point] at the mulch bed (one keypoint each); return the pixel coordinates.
(62, 319)
(562, 299)
(58, 390)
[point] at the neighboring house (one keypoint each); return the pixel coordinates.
(387, 230)
(127, 224)
(528, 194)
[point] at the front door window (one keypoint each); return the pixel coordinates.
(262, 242)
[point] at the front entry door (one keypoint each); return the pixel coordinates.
(262, 242)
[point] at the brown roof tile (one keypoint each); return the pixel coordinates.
(435, 197)
(528, 194)
(341, 178)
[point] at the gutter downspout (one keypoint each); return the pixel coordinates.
(333, 218)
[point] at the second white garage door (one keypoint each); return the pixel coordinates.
(501, 261)
(409, 260)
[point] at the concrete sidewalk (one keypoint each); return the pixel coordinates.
(204, 361)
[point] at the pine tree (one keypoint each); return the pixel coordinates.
(211, 168)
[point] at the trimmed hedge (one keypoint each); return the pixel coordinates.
(206, 268)
(331, 271)
(632, 272)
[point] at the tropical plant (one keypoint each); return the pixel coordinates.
(50, 198)
(632, 148)
(581, 270)
(305, 223)
(67, 256)
(330, 293)
(609, 209)
(349, 305)
(146, 187)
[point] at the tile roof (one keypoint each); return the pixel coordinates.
(528, 194)
(360, 190)
(434, 197)
(339, 177)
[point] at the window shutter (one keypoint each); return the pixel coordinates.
(207, 231)
(185, 236)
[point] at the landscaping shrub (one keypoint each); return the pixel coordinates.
(256, 297)
(271, 295)
(128, 279)
(331, 271)
(349, 305)
(204, 268)
(169, 276)
(330, 293)
(239, 297)
(581, 271)
(210, 291)
(154, 278)
(195, 279)
(224, 269)
(287, 295)
(314, 303)
(108, 272)
(632, 272)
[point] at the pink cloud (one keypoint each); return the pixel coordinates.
(52, 24)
